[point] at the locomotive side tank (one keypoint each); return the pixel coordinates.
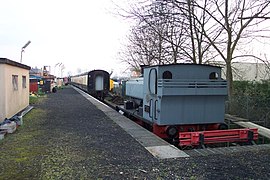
(134, 88)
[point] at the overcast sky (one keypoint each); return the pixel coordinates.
(81, 34)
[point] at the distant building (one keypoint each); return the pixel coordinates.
(41, 79)
(250, 71)
(34, 83)
(36, 71)
(40, 72)
(14, 88)
(244, 71)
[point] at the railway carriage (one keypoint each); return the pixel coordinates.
(96, 82)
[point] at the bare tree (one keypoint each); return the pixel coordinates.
(200, 31)
(222, 26)
(196, 47)
(179, 28)
(158, 26)
(228, 17)
(140, 48)
(146, 45)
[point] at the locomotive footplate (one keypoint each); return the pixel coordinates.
(201, 138)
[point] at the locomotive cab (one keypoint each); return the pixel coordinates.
(181, 94)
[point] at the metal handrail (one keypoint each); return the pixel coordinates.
(179, 83)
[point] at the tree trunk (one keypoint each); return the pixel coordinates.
(229, 78)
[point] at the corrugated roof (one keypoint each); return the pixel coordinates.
(35, 77)
(14, 63)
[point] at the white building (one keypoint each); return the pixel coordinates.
(251, 71)
(243, 71)
(14, 88)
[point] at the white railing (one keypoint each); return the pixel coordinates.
(179, 83)
(181, 87)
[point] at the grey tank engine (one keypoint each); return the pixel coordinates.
(179, 94)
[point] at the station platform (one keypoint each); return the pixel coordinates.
(152, 143)
(70, 135)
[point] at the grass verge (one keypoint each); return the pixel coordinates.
(20, 151)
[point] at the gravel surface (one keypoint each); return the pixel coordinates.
(67, 137)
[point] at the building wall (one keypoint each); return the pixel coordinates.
(33, 86)
(13, 100)
(2, 93)
(251, 71)
(248, 71)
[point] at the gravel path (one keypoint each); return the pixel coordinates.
(67, 137)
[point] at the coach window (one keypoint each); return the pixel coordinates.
(213, 75)
(15, 82)
(167, 75)
(24, 82)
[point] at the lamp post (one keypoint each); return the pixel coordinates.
(62, 69)
(24, 48)
(57, 68)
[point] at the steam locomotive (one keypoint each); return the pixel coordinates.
(184, 103)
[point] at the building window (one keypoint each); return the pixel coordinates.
(15, 82)
(24, 81)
